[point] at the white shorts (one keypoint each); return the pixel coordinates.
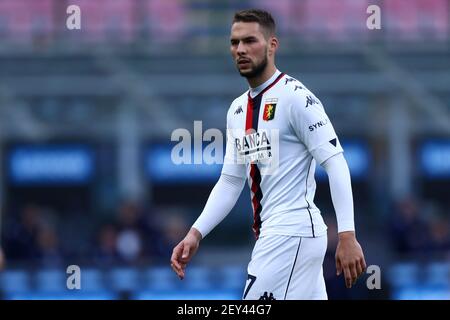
(286, 268)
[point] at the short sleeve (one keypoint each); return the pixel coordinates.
(313, 127)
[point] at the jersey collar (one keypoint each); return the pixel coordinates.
(253, 92)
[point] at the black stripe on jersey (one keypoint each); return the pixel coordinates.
(256, 108)
(306, 198)
(293, 267)
(258, 195)
(256, 177)
(255, 150)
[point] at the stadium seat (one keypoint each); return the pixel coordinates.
(63, 295)
(438, 274)
(24, 19)
(187, 295)
(124, 279)
(105, 20)
(51, 281)
(12, 281)
(198, 278)
(92, 280)
(233, 277)
(165, 19)
(161, 278)
(404, 274)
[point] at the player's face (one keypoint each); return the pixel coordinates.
(249, 48)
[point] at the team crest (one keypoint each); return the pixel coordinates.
(269, 109)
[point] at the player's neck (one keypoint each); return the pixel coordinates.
(266, 75)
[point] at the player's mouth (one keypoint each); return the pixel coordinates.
(243, 63)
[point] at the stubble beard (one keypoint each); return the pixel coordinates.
(257, 70)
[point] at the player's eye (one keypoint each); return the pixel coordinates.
(250, 40)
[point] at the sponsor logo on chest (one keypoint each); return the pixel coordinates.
(254, 146)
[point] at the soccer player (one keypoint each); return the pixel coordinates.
(278, 123)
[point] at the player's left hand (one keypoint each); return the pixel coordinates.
(349, 258)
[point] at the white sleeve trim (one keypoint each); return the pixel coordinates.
(221, 200)
(325, 151)
(341, 191)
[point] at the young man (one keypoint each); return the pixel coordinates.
(278, 121)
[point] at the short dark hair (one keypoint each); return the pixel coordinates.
(263, 18)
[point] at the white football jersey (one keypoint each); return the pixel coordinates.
(275, 134)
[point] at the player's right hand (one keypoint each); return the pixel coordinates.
(184, 251)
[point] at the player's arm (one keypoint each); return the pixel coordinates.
(314, 129)
(349, 254)
(222, 199)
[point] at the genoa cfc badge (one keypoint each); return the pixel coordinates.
(269, 111)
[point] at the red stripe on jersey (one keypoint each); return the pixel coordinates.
(249, 119)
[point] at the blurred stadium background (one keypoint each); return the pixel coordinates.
(87, 115)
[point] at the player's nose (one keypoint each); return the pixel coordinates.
(241, 48)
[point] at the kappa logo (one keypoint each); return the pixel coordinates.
(310, 100)
(267, 297)
(289, 80)
(296, 87)
(238, 110)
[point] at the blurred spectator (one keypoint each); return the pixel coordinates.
(439, 236)
(131, 231)
(166, 19)
(105, 20)
(21, 234)
(409, 231)
(106, 253)
(413, 20)
(174, 227)
(49, 251)
(142, 233)
(32, 238)
(30, 21)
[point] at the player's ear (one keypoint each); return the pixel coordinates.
(273, 45)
